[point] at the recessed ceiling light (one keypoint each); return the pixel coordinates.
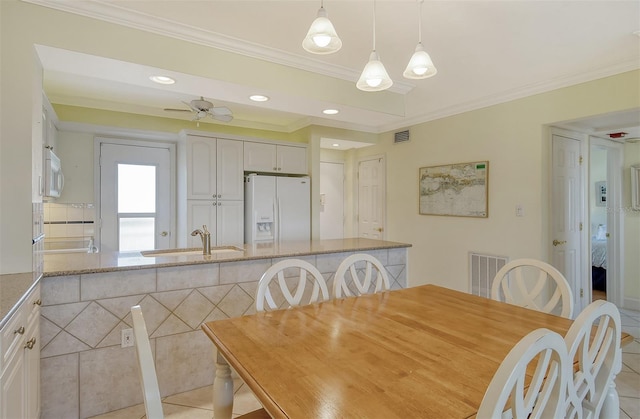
(162, 79)
(259, 98)
(335, 145)
(330, 111)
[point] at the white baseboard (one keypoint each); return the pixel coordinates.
(631, 304)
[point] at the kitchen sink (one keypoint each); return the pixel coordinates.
(194, 251)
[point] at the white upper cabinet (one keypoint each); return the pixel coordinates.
(214, 168)
(275, 158)
(230, 184)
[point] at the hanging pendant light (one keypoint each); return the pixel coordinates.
(322, 37)
(420, 65)
(374, 77)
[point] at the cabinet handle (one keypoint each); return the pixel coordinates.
(30, 343)
(275, 168)
(219, 196)
(38, 302)
(19, 331)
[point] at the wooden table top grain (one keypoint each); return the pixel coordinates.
(423, 352)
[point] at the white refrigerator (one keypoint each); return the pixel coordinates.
(277, 208)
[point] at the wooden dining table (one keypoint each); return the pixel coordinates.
(420, 352)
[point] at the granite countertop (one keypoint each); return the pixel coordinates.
(13, 289)
(82, 263)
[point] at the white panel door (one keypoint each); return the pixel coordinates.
(201, 168)
(371, 198)
(135, 194)
(331, 200)
(567, 214)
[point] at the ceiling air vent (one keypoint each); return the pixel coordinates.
(401, 137)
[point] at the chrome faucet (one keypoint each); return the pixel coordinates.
(206, 239)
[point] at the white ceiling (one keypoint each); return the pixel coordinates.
(486, 52)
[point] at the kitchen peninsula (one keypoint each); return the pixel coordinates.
(86, 300)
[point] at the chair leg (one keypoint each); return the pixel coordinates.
(611, 404)
(222, 389)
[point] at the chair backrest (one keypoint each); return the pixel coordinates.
(148, 378)
(508, 394)
(593, 341)
(360, 268)
(520, 289)
(284, 271)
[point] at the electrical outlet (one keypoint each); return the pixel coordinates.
(127, 338)
(519, 210)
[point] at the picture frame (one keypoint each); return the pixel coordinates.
(601, 194)
(458, 190)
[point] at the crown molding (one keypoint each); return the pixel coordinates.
(112, 13)
(515, 94)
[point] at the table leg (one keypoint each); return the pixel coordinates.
(222, 389)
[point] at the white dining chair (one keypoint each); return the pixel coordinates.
(360, 269)
(148, 378)
(593, 342)
(291, 272)
(528, 283)
(511, 395)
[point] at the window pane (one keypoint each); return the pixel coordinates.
(136, 188)
(136, 234)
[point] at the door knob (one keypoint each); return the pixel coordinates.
(164, 233)
(379, 229)
(557, 242)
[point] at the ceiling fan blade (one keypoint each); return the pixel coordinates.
(194, 109)
(177, 110)
(223, 118)
(220, 110)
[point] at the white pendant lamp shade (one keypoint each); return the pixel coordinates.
(420, 65)
(374, 77)
(322, 37)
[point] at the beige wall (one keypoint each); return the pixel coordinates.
(514, 138)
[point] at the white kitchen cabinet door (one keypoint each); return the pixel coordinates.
(224, 220)
(230, 223)
(20, 374)
(12, 395)
(199, 213)
(230, 175)
(201, 168)
(275, 158)
(260, 157)
(292, 159)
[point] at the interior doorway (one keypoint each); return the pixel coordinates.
(606, 232)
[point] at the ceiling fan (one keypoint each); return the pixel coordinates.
(201, 108)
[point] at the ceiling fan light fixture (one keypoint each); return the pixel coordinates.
(420, 65)
(322, 37)
(374, 77)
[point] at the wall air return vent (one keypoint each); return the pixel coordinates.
(401, 137)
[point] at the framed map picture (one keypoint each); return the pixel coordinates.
(459, 189)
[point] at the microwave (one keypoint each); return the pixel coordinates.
(53, 177)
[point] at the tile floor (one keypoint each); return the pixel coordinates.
(198, 404)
